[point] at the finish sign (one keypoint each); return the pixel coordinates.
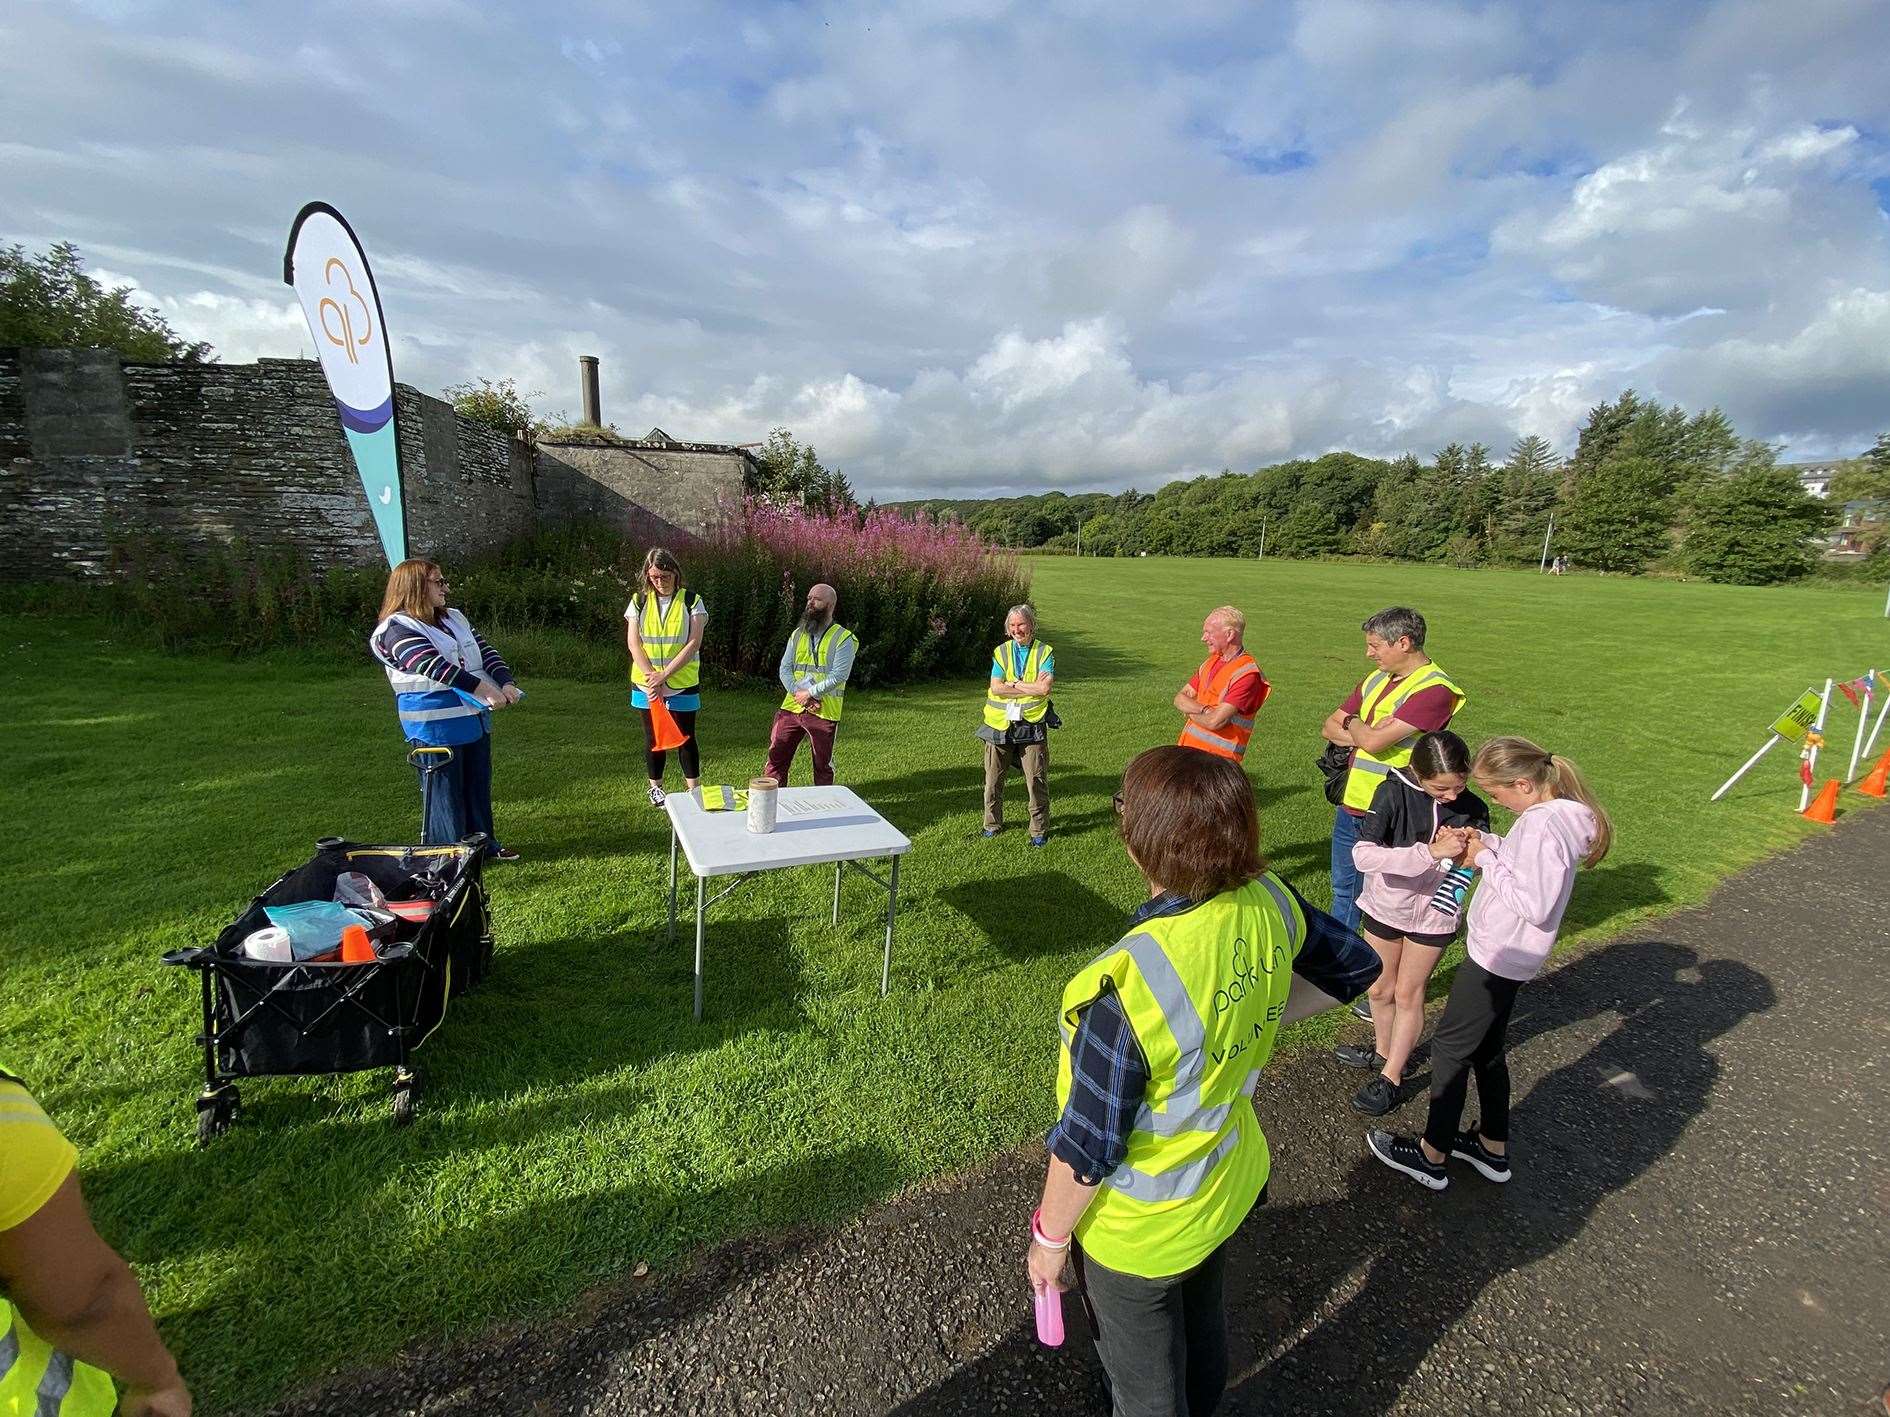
(1800, 718)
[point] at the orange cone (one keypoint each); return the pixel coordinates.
(667, 731)
(1874, 784)
(1823, 807)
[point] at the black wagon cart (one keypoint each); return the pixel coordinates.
(263, 1018)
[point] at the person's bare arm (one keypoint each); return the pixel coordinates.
(1217, 716)
(80, 1296)
(633, 637)
(1333, 729)
(1376, 737)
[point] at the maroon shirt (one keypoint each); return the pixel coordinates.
(1427, 710)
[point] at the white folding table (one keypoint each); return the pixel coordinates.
(814, 826)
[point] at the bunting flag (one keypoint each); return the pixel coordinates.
(329, 271)
(1850, 689)
(1804, 771)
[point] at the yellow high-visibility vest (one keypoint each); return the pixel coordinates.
(1379, 700)
(1204, 991)
(1004, 660)
(663, 639)
(810, 662)
(36, 1379)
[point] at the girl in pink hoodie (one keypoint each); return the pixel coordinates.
(1410, 842)
(1527, 878)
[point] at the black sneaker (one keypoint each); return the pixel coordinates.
(504, 853)
(1469, 1147)
(1377, 1097)
(1359, 1055)
(1362, 1007)
(1404, 1154)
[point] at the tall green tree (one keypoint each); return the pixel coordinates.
(1615, 515)
(791, 471)
(1525, 492)
(1754, 527)
(47, 301)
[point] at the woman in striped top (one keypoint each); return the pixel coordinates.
(446, 681)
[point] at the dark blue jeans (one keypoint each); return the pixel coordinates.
(458, 802)
(1344, 873)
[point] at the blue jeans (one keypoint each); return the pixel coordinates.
(1344, 873)
(459, 800)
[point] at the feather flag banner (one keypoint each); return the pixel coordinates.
(329, 271)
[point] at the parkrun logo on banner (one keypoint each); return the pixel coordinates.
(345, 338)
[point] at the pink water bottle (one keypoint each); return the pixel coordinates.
(1050, 1316)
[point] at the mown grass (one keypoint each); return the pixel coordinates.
(576, 1121)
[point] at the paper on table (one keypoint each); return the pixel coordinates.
(810, 806)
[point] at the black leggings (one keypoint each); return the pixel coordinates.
(1470, 1039)
(687, 755)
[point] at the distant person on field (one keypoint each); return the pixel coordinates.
(1379, 721)
(663, 626)
(1157, 1155)
(814, 670)
(447, 681)
(1219, 702)
(72, 1316)
(1514, 917)
(1016, 730)
(1413, 884)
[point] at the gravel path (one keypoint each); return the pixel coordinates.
(1699, 1223)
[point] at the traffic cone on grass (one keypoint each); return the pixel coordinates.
(1823, 807)
(1873, 784)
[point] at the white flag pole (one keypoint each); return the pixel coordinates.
(1726, 786)
(1863, 712)
(1551, 532)
(1804, 788)
(1871, 742)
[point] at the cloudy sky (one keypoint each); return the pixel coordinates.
(966, 246)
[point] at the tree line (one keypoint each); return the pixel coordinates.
(1648, 486)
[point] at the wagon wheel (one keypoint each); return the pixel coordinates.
(215, 1112)
(406, 1095)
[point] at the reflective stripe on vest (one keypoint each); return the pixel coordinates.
(810, 662)
(1203, 991)
(427, 708)
(1369, 769)
(1034, 706)
(1215, 678)
(664, 636)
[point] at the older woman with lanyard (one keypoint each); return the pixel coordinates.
(1158, 1156)
(446, 681)
(663, 626)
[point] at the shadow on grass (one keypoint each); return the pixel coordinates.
(1306, 1334)
(512, 1261)
(1038, 914)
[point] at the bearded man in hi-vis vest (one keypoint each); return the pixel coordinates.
(1219, 703)
(1405, 696)
(814, 670)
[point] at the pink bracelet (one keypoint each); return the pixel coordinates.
(1036, 1233)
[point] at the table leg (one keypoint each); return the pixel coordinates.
(698, 949)
(672, 883)
(839, 870)
(892, 904)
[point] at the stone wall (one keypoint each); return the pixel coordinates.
(92, 449)
(680, 484)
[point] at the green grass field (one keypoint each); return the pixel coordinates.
(576, 1121)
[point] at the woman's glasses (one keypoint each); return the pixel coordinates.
(1118, 803)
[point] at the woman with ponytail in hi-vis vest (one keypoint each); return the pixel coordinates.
(663, 626)
(72, 1316)
(1157, 1156)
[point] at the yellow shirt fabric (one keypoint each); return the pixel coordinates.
(35, 1158)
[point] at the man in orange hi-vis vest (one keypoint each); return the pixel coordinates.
(1219, 703)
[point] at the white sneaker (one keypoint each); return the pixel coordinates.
(657, 796)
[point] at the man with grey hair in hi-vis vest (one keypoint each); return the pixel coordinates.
(1405, 695)
(1017, 722)
(1219, 703)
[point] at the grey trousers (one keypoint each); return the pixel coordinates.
(1163, 1342)
(1031, 759)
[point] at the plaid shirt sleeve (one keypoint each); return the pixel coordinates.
(1334, 958)
(1109, 1076)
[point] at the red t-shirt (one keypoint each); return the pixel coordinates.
(1427, 710)
(1246, 693)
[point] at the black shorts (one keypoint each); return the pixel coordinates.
(1395, 932)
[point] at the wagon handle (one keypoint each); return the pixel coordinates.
(192, 956)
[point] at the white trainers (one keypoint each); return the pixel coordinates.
(657, 796)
